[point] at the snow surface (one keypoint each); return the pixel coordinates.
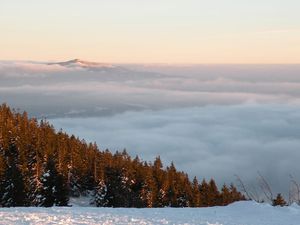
(239, 213)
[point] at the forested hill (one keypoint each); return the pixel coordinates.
(42, 167)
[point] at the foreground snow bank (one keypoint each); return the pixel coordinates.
(240, 213)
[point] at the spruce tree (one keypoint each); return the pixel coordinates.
(172, 190)
(118, 189)
(279, 201)
(235, 194)
(13, 183)
(53, 186)
(2, 175)
(214, 194)
(100, 192)
(204, 194)
(226, 197)
(196, 193)
(148, 189)
(34, 183)
(61, 192)
(161, 184)
(13, 187)
(48, 184)
(73, 183)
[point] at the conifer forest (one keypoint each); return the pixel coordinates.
(40, 166)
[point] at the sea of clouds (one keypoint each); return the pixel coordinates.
(211, 120)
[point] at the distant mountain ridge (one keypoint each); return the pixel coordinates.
(82, 63)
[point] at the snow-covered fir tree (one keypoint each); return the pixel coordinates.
(100, 195)
(13, 188)
(13, 183)
(53, 189)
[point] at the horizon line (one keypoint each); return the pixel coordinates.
(150, 63)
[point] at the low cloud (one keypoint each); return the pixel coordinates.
(20, 69)
(211, 141)
(119, 89)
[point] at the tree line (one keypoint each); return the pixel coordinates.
(40, 166)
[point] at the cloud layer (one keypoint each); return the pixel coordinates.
(211, 120)
(211, 141)
(132, 87)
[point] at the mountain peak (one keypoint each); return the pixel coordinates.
(82, 63)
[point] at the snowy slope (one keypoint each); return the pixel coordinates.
(240, 213)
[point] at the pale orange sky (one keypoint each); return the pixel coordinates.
(191, 31)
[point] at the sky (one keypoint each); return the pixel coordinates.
(211, 119)
(139, 31)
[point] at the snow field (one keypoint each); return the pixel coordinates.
(239, 213)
